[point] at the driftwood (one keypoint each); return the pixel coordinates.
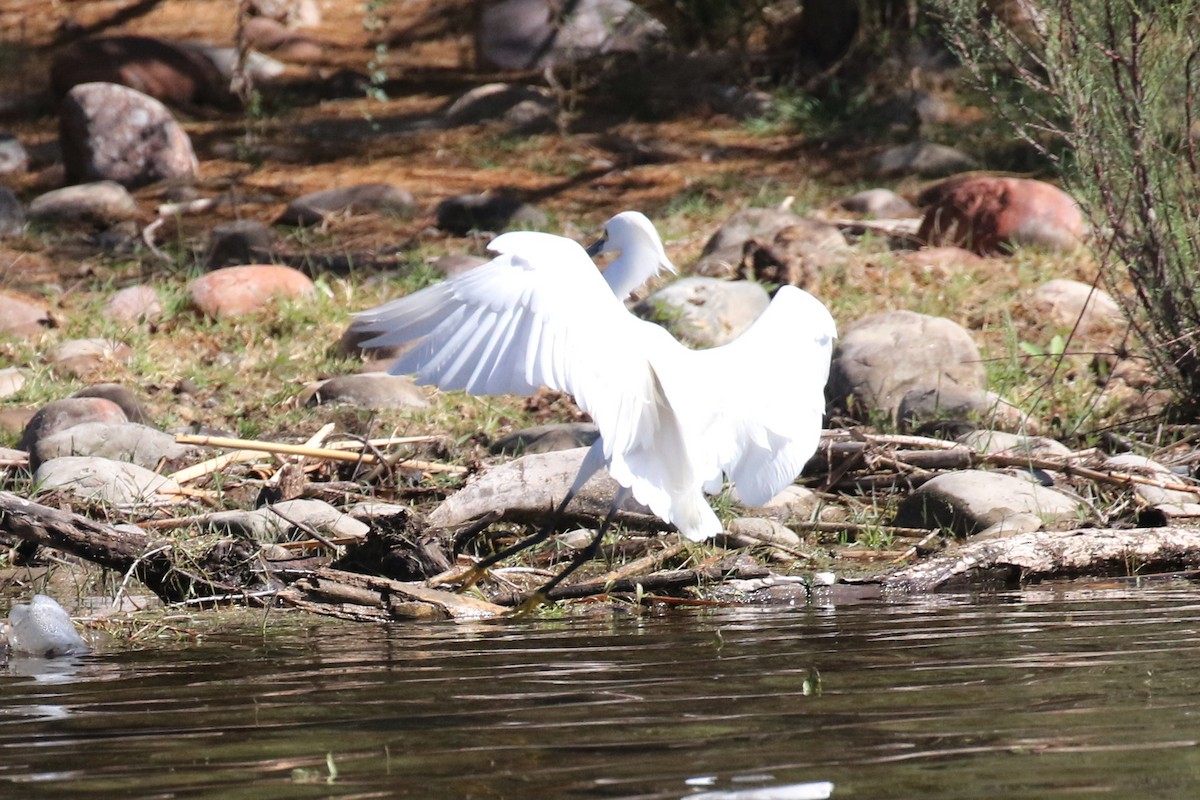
(128, 552)
(368, 598)
(1052, 554)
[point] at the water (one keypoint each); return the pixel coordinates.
(1062, 693)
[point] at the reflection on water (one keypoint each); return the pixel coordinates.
(1039, 694)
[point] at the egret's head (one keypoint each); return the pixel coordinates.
(631, 234)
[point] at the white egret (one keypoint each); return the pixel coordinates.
(673, 422)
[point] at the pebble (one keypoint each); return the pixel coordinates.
(971, 501)
(59, 415)
(104, 480)
(103, 203)
(237, 291)
(363, 198)
(703, 311)
(120, 441)
(373, 390)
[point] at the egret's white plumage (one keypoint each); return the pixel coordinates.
(673, 422)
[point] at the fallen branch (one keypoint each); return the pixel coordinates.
(672, 580)
(1053, 554)
(325, 453)
(369, 598)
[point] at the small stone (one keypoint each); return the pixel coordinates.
(547, 438)
(135, 304)
(363, 198)
(43, 629)
(62, 414)
(13, 157)
(1130, 463)
(111, 132)
(486, 212)
(100, 203)
(1074, 304)
(970, 501)
(705, 311)
(242, 241)
(81, 357)
(236, 291)
(91, 478)
(878, 203)
(921, 158)
(122, 396)
(374, 390)
(23, 316)
(121, 441)
(12, 214)
(11, 381)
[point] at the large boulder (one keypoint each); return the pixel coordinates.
(111, 132)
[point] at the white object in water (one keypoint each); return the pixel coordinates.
(42, 628)
(673, 422)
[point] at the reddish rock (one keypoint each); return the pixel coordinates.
(22, 316)
(233, 291)
(269, 36)
(172, 72)
(990, 215)
(62, 414)
(111, 132)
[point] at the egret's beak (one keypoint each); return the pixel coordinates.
(597, 247)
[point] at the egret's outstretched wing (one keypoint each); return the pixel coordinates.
(540, 314)
(765, 397)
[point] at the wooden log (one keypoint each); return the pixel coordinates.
(351, 595)
(1040, 555)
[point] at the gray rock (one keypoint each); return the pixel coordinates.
(495, 101)
(91, 478)
(363, 198)
(243, 241)
(794, 502)
(11, 381)
(81, 357)
(796, 255)
(1131, 463)
(1012, 444)
(921, 158)
(13, 157)
(12, 214)
(722, 255)
(705, 311)
(523, 34)
(122, 396)
(881, 358)
(367, 390)
(370, 511)
(486, 212)
(1065, 302)
(547, 438)
(99, 203)
(111, 132)
(971, 501)
(41, 628)
(878, 203)
(285, 522)
(757, 531)
(121, 441)
(59, 415)
(924, 405)
(135, 304)
(23, 316)
(527, 488)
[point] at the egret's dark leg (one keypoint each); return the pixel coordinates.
(582, 557)
(592, 462)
